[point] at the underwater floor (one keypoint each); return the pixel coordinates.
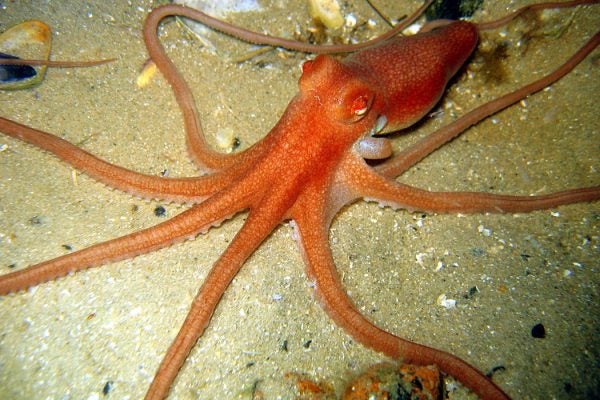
(108, 328)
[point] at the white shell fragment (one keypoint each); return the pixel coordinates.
(484, 231)
(221, 8)
(445, 302)
(226, 139)
(328, 12)
(218, 9)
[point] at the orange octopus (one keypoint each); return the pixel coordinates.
(309, 166)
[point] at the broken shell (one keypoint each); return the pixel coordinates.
(216, 9)
(30, 40)
(226, 140)
(445, 302)
(380, 381)
(388, 381)
(146, 74)
(15, 73)
(328, 12)
(219, 9)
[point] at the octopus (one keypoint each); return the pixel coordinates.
(309, 167)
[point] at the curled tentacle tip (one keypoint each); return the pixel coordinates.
(375, 148)
(372, 148)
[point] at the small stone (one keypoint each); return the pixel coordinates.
(160, 211)
(538, 331)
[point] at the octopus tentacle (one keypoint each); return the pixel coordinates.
(489, 25)
(538, 6)
(372, 186)
(184, 190)
(313, 227)
(374, 148)
(186, 225)
(55, 63)
(200, 152)
(415, 153)
(202, 155)
(260, 223)
(290, 44)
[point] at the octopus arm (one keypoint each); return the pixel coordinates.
(184, 226)
(200, 151)
(184, 190)
(313, 228)
(410, 156)
(262, 219)
(373, 186)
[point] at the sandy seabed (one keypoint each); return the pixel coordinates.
(67, 339)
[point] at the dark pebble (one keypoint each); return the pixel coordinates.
(495, 369)
(36, 220)
(107, 387)
(452, 9)
(471, 293)
(538, 331)
(160, 211)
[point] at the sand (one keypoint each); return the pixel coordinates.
(68, 339)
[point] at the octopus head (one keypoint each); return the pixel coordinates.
(349, 103)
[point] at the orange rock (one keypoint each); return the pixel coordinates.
(387, 381)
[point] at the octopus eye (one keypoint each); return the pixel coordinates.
(360, 105)
(355, 105)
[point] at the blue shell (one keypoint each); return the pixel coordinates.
(15, 73)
